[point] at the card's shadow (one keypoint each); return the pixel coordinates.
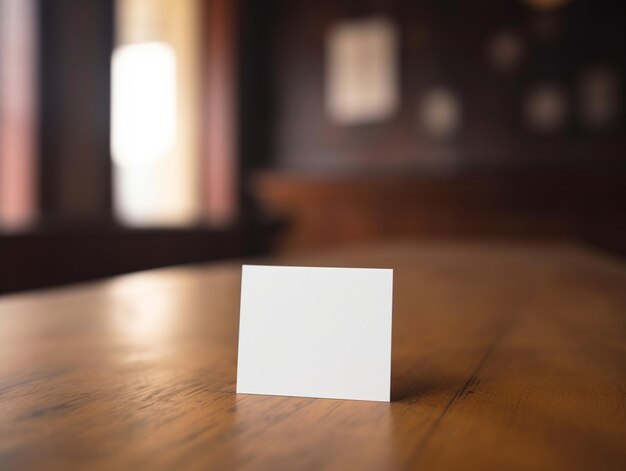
(412, 385)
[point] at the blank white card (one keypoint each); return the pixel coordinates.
(315, 332)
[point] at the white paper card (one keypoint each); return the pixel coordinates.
(315, 332)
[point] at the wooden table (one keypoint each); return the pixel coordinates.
(505, 356)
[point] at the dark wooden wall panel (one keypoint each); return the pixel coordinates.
(496, 177)
(76, 44)
(442, 43)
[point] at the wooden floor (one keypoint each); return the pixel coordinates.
(505, 356)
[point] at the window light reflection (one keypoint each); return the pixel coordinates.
(143, 310)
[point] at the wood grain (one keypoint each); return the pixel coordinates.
(505, 356)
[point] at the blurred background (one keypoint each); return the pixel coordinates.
(144, 133)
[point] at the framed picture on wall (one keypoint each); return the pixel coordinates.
(361, 71)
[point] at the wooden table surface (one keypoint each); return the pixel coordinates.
(505, 356)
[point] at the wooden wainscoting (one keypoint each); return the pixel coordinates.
(55, 255)
(327, 211)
